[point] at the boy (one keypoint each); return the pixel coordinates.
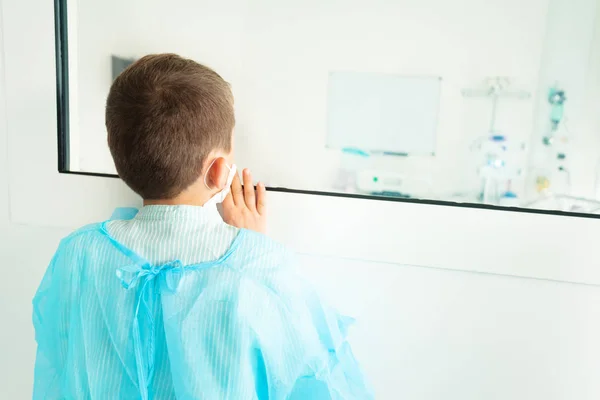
(173, 303)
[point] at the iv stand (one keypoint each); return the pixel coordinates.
(493, 88)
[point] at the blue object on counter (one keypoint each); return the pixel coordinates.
(391, 194)
(356, 152)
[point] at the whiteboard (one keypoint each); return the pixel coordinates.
(383, 112)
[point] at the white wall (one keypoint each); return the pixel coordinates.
(428, 334)
(24, 252)
(422, 333)
(278, 55)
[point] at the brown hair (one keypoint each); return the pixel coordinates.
(164, 115)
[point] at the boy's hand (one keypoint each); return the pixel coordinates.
(245, 207)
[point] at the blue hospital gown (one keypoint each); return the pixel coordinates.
(174, 304)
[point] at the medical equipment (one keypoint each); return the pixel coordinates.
(371, 174)
(556, 98)
(500, 165)
(392, 184)
(380, 182)
(552, 169)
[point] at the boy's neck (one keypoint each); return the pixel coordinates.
(184, 199)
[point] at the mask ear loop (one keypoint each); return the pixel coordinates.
(209, 167)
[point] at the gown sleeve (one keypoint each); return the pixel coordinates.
(51, 320)
(57, 322)
(301, 343)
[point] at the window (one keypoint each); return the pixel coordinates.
(367, 103)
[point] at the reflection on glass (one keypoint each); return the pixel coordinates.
(410, 99)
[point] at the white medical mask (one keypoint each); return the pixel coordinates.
(220, 197)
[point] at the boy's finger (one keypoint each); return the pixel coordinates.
(237, 191)
(249, 196)
(261, 198)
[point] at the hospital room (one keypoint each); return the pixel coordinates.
(430, 170)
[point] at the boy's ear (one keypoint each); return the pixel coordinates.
(216, 177)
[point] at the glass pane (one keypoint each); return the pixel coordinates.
(489, 102)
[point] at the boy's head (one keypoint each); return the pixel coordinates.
(167, 119)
